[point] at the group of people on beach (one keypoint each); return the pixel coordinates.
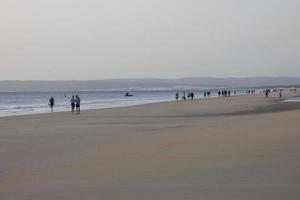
(206, 94)
(251, 91)
(190, 95)
(225, 93)
(75, 104)
(267, 92)
(75, 99)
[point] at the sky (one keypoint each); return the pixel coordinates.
(96, 39)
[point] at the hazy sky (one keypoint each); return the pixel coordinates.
(96, 39)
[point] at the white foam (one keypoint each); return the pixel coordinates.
(292, 99)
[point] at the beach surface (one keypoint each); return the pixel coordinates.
(245, 147)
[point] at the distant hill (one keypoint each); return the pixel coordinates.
(146, 84)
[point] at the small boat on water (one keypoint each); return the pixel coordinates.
(128, 95)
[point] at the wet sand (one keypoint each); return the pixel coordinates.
(244, 147)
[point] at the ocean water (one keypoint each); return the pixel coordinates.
(292, 99)
(20, 103)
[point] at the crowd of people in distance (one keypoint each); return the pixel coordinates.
(75, 104)
(75, 99)
(251, 91)
(190, 95)
(278, 91)
(225, 93)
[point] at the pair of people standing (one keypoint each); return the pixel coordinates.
(75, 103)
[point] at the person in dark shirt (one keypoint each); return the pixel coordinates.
(51, 103)
(72, 104)
(177, 96)
(77, 102)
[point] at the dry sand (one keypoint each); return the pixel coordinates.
(235, 148)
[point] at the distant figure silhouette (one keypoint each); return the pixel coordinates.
(51, 103)
(77, 102)
(128, 95)
(267, 93)
(192, 95)
(72, 104)
(183, 96)
(177, 96)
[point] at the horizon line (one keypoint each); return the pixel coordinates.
(151, 78)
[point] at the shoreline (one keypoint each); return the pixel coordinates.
(110, 107)
(105, 103)
(85, 109)
(289, 105)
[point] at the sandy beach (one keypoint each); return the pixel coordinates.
(245, 147)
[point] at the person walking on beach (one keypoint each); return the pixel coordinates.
(77, 102)
(183, 96)
(177, 96)
(72, 104)
(280, 94)
(267, 93)
(192, 95)
(51, 103)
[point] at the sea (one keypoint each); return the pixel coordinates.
(292, 99)
(23, 103)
